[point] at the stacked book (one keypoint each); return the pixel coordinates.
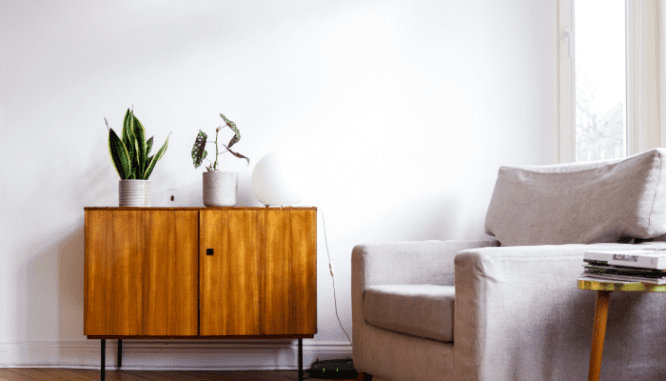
(645, 265)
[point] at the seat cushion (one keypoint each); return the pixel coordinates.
(417, 309)
(592, 202)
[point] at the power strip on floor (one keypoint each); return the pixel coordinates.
(334, 369)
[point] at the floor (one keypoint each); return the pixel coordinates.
(31, 374)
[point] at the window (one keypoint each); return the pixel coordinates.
(600, 75)
(610, 78)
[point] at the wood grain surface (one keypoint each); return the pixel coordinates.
(147, 272)
(228, 281)
(141, 273)
(262, 278)
(304, 272)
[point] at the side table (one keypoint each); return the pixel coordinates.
(603, 289)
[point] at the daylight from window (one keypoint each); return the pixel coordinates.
(600, 79)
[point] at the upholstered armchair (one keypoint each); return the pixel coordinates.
(508, 308)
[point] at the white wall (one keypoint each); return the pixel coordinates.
(402, 112)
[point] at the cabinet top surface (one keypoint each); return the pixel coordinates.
(198, 208)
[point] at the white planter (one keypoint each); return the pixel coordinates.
(134, 193)
(220, 188)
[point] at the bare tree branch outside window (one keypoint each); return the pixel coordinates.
(599, 134)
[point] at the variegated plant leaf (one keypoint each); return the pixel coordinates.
(233, 127)
(199, 150)
(237, 154)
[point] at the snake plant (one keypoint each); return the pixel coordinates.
(199, 150)
(130, 153)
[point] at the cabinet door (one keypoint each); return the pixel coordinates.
(288, 269)
(141, 272)
(229, 291)
(261, 278)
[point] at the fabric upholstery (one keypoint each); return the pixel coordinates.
(580, 203)
(520, 316)
(385, 353)
(424, 310)
(425, 262)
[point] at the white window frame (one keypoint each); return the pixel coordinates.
(645, 78)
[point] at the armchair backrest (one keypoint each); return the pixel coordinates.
(591, 202)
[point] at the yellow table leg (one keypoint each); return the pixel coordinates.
(598, 334)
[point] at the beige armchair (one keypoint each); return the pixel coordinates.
(508, 308)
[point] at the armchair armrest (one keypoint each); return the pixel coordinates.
(519, 314)
(424, 262)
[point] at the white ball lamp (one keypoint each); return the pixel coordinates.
(277, 180)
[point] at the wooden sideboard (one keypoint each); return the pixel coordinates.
(161, 273)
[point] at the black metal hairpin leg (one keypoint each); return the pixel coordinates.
(120, 353)
(102, 371)
(300, 359)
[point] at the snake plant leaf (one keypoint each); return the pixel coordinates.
(148, 161)
(128, 134)
(119, 155)
(155, 158)
(199, 149)
(232, 125)
(149, 146)
(140, 134)
(133, 159)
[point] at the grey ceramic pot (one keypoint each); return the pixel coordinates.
(220, 188)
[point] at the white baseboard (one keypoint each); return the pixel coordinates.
(172, 354)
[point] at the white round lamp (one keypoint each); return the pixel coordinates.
(277, 180)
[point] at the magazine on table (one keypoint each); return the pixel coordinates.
(625, 278)
(647, 258)
(584, 277)
(629, 274)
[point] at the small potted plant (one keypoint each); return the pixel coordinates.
(130, 158)
(219, 188)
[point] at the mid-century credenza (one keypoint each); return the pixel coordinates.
(200, 273)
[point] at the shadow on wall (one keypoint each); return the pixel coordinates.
(51, 293)
(100, 187)
(50, 276)
(70, 286)
(426, 217)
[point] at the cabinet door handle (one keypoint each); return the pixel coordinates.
(209, 251)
